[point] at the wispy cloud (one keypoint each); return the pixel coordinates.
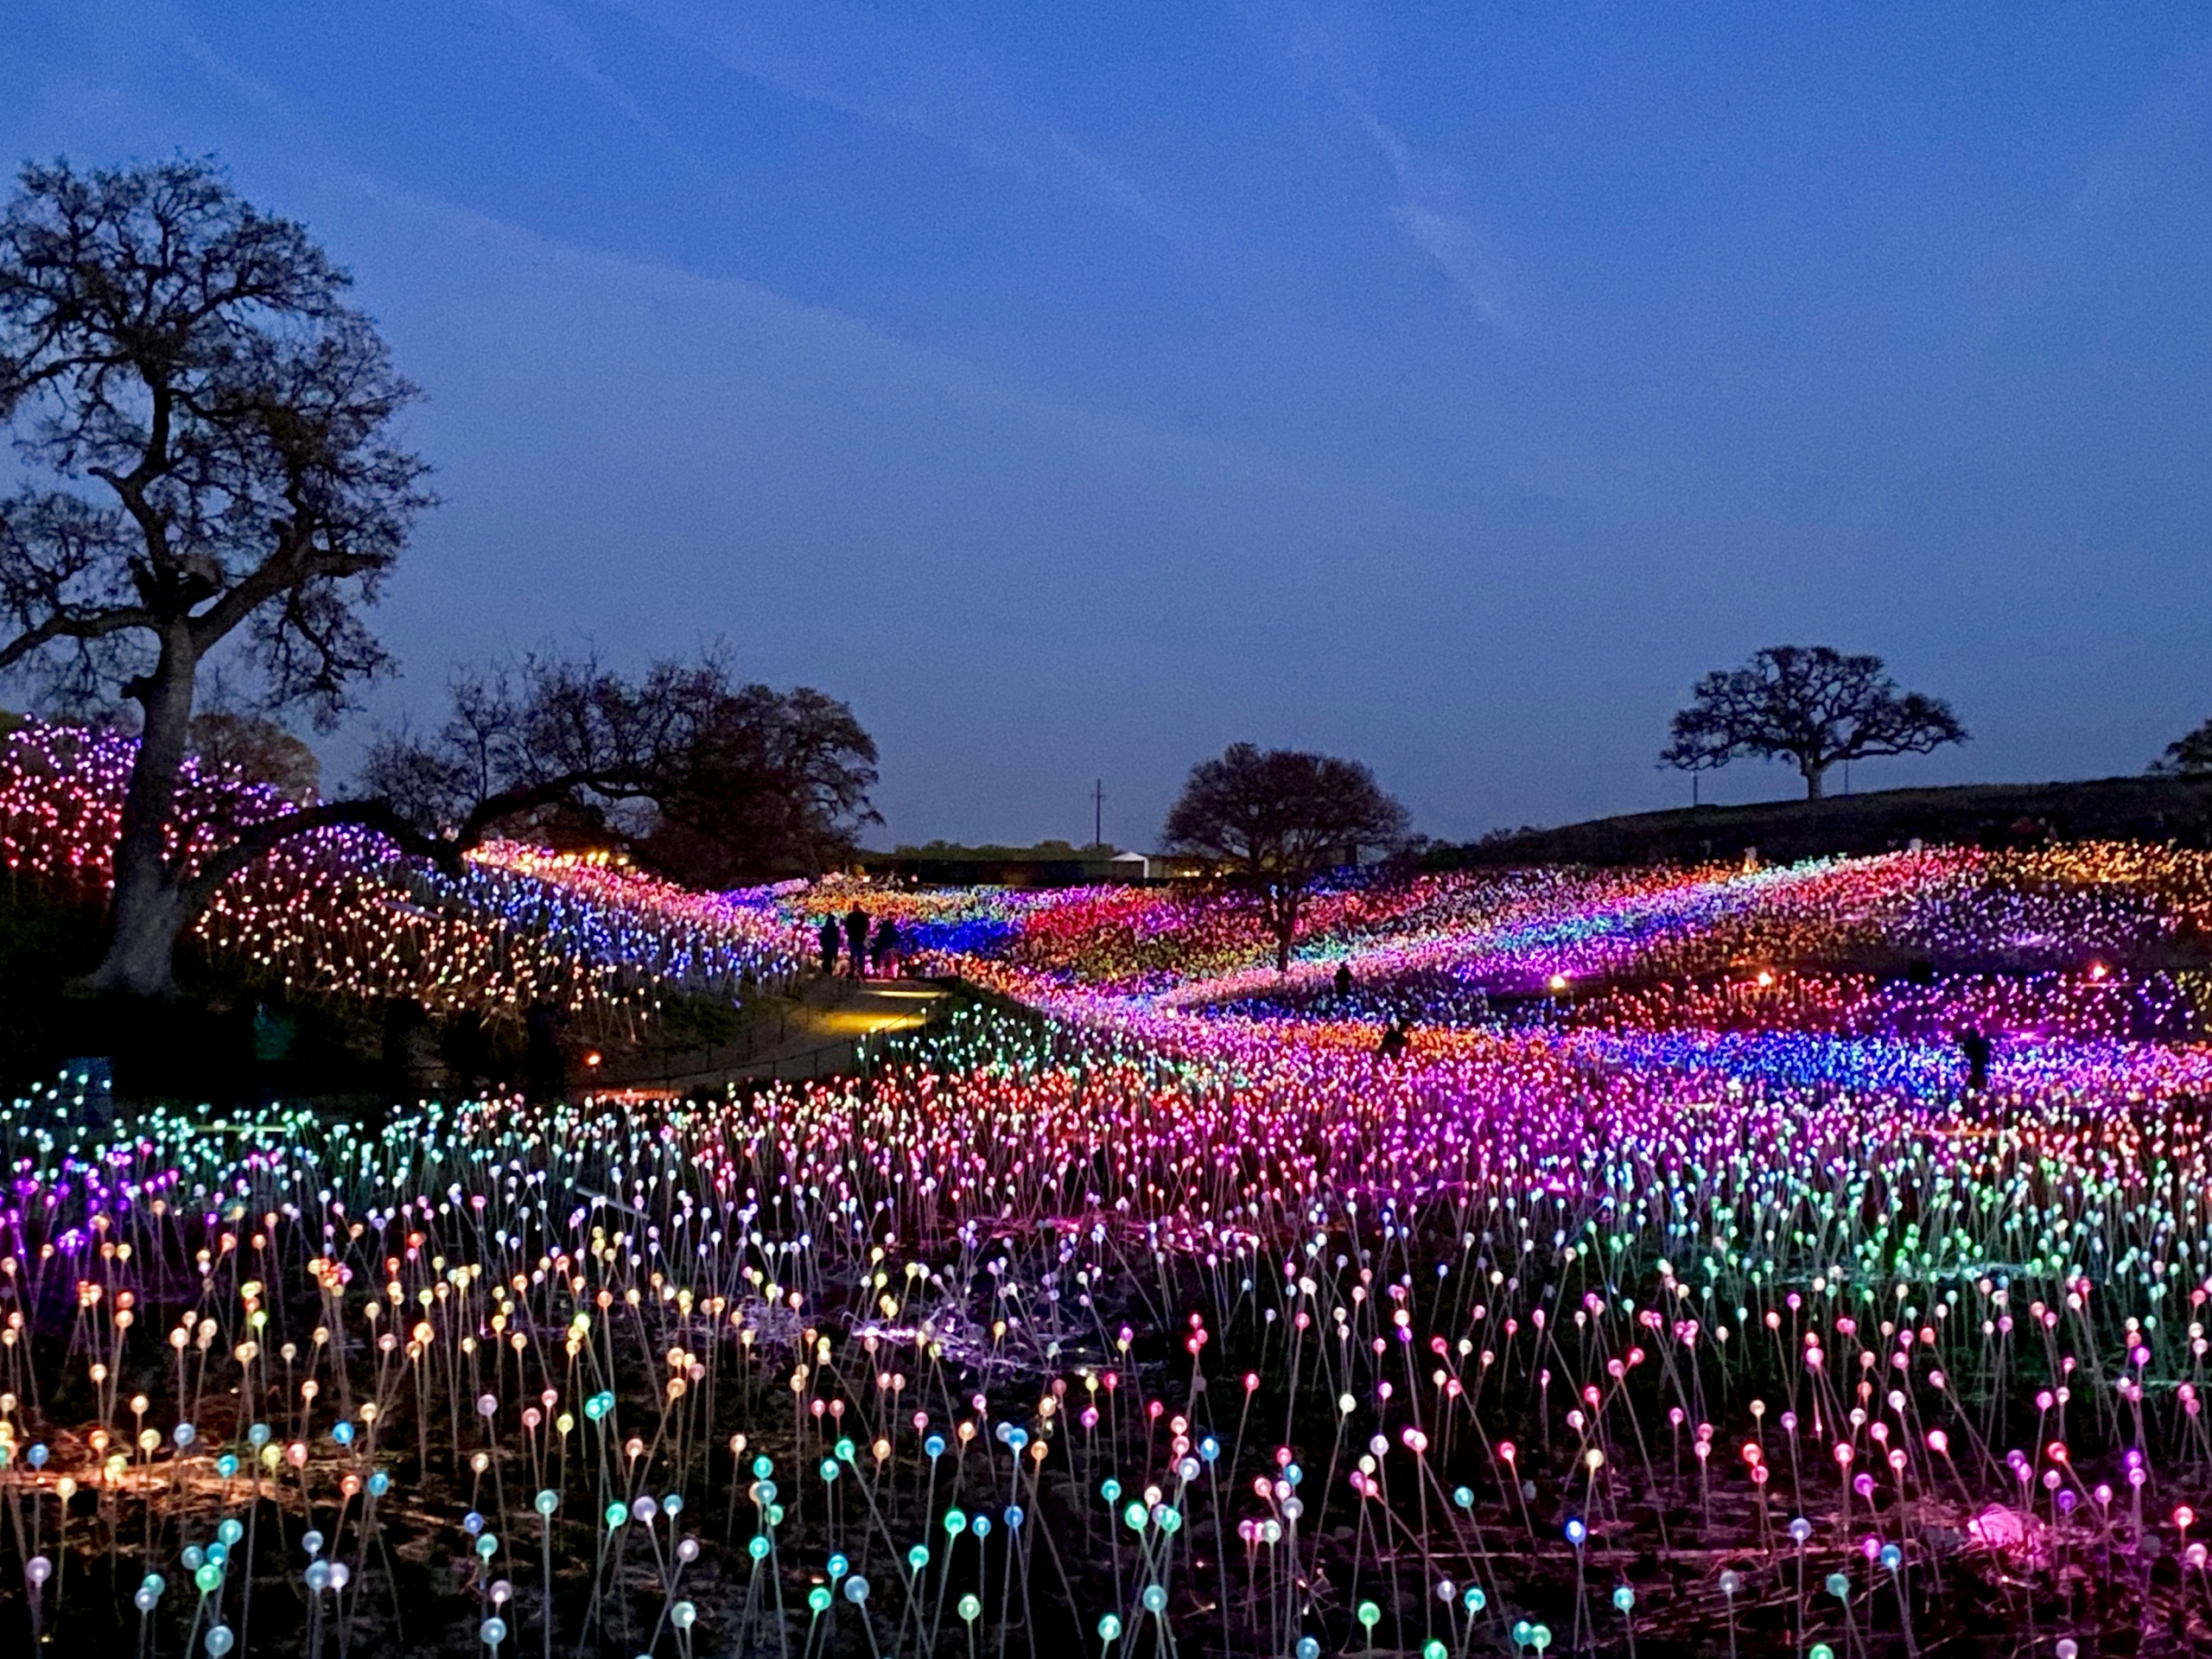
(1432, 205)
(879, 68)
(559, 39)
(1433, 208)
(861, 362)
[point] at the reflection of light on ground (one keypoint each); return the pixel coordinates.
(855, 1023)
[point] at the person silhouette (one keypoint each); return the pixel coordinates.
(857, 940)
(830, 933)
(1976, 1049)
(1393, 1039)
(1344, 981)
(545, 1067)
(886, 947)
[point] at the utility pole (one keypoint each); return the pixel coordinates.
(1098, 813)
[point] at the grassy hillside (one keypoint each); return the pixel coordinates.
(332, 967)
(2156, 809)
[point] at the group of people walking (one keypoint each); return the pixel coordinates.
(869, 954)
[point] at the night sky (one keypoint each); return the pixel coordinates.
(1078, 389)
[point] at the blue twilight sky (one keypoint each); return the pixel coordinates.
(1078, 389)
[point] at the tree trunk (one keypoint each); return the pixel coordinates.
(1813, 782)
(150, 910)
(141, 946)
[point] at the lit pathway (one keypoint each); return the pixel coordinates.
(819, 1037)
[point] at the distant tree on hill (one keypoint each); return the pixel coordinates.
(1278, 818)
(1808, 704)
(2189, 755)
(207, 464)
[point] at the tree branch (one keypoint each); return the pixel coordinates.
(282, 571)
(61, 626)
(523, 797)
(256, 839)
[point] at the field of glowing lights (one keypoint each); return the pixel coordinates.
(1672, 1292)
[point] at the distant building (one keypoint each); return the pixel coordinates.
(1180, 867)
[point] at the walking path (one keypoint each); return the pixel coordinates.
(818, 1035)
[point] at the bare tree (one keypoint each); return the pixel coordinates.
(1809, 704)
(205, 432)
(1278, 818)
(713, 782)
(544, 732)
